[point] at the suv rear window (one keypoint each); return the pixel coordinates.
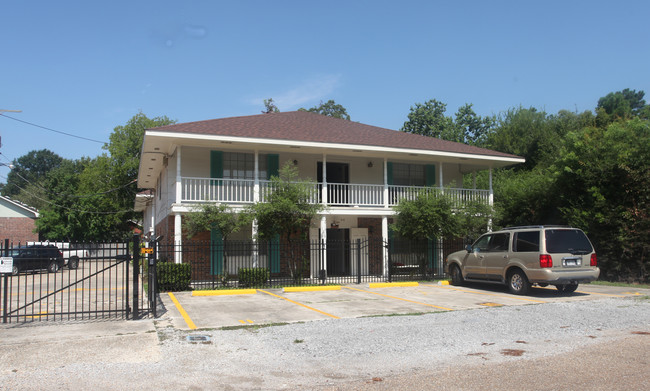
(526, 242)
(567, 241)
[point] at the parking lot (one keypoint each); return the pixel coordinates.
(189, 310)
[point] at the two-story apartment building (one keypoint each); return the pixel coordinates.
(361, 171)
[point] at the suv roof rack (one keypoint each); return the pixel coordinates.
(536, 226)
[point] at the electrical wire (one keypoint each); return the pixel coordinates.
(53, 130)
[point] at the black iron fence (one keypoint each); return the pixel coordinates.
(236, 264)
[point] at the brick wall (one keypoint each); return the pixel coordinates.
(17, 229)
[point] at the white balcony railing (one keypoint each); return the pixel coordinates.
(338, 194)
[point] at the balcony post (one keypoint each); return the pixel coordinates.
(324, 190)
(179, 187)
(256, 175)
(440, 181)
(386, 183)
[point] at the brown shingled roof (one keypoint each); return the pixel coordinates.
(312, 127)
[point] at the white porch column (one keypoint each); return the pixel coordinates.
(384, 236)
(324, 189)
(385, 182)
(491, 202)
(440, 180)
(179, 180)
(178, 226)
(256, 175)
(178, 238)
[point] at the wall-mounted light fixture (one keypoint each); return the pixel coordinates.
(295, 162)
(369, 164)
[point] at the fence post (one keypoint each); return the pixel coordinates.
(136, 276)
(390, 276)
(358, 261)
(5, 286)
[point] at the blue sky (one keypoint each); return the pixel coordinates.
(85, 67)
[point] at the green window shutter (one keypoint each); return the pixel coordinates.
(272, 165)
(430, 172)
(216, 164)
(274, 254)
(216, 251)
(389, 169)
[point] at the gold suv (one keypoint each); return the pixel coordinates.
(522, 256)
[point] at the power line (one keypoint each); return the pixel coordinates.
(53, 130)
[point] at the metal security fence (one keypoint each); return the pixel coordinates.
(238, 264)
(48, 283)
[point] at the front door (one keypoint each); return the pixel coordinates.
(338, 252)
(337, 174)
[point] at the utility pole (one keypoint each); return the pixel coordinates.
(7, 111)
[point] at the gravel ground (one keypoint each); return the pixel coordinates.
(375, 353)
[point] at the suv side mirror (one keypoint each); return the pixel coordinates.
(469, 248)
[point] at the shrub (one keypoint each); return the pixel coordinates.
(256, 276)
(173, 276)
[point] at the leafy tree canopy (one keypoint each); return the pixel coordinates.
(270, 107)
(429, 119)
(26, 181)
(215, 216)
(288, 209)
(330, 109)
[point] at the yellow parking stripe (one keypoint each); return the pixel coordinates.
(399, 298)
(486, 294)
(391, 284)
(223, 292)
(184, 314)
(302, 305)
(311, 288)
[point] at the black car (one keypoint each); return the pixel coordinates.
(36, 257)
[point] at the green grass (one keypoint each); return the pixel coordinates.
(622, 284)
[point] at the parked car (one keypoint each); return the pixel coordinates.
(522, 256)
(36, 257)
(72, 253)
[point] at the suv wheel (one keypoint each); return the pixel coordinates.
(73, 263)
(518, 282)
(14, 270)
(53, 267)
(456, 275)
(568, 288)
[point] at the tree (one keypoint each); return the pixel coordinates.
(93, 199)
(287, 213)
(330, 109)
(215, 216)
(432, 215)
(475, 129)
(270, 107)
(25, 182)
(601, 176)
(429, 119)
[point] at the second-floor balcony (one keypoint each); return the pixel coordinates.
(242, 191)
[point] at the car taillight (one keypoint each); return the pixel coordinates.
(545, 260)
(60, 254)
(594, 260)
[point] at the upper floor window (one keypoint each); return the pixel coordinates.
(408, 174)
(238, 165)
